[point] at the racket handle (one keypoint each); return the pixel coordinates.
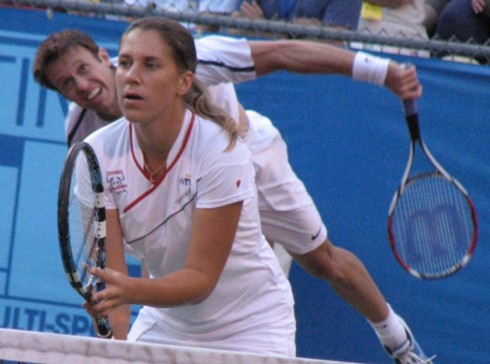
(411, 113)
(409, 106)
(103, 329)
(412, 119)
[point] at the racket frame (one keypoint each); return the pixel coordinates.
(411, 118)
(102, 328)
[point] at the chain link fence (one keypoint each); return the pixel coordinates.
(226, 23)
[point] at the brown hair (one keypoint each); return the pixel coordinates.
(184, 55)
(56, 46)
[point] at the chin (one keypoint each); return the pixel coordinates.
(133, 116)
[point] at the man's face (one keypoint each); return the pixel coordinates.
(86, 80)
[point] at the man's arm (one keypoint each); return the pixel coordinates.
(300, 56)
(225, 59)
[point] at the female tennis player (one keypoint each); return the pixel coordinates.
(180, 196)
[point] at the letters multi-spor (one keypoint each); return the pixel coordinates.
(39, 320)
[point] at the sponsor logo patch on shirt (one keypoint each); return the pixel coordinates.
(116, 181)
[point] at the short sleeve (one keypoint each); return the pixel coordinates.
(224, 59)
(227, 177)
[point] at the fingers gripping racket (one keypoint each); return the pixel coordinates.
(432, 225)
(81, 224)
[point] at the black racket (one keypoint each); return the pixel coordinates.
(432, 225)
(82, 225)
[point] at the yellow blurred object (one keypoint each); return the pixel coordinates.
(370, 11)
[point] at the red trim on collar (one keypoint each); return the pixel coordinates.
(172, 164)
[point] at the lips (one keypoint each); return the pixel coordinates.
(132, 101)
(132, 96)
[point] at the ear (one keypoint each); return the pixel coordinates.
(104, 56)
(185, 83)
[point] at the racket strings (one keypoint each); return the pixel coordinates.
(432, 225)
(82, 221)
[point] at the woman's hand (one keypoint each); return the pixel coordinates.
(117, 292)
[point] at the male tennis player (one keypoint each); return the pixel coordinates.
(71, 64)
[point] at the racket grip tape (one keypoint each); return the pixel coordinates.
(102, 329)
(410, 107)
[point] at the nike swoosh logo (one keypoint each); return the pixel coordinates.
(313, 237)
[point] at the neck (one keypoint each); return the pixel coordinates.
(156, 141)
(111, 115)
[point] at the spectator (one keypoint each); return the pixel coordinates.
(335, 14)
(218, 7)
(178, 5)
(394, 18)
(433, 10)
(339, 14)
(268, 9)
(175, 6)
(465, 21)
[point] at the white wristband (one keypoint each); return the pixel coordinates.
(370, 68)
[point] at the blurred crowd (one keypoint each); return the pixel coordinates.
(466, 21)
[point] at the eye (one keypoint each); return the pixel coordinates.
(151, 65)
(67, 85)
(123, 63)
(83, 69)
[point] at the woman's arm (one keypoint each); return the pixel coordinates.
(212, 235)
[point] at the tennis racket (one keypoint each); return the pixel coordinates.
(81, 224)
(432, 224)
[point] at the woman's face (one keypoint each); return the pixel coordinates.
(149, 84)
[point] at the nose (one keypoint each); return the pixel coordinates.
(82, 83)
(132, 74)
